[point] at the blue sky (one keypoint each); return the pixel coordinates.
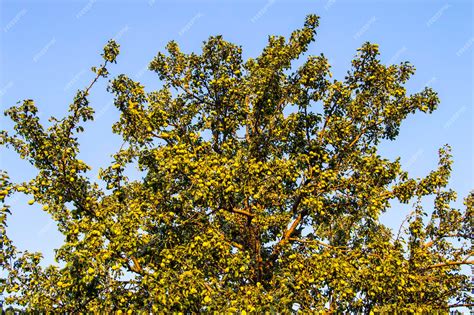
(48, 47)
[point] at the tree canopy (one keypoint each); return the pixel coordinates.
(262, 191)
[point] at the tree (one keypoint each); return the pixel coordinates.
(262, 191)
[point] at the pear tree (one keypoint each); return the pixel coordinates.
(262, 191)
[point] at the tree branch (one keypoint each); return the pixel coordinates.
(243, 212)
(136, 266)
(451, 263)
(461, 305)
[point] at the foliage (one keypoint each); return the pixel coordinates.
(262, 191)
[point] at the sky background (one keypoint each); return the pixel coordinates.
(48, 47)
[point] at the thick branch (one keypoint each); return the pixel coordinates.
(452, 263)
(136, 266)
(243, 212)
(461, 305)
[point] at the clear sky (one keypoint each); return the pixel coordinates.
(48, 47)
